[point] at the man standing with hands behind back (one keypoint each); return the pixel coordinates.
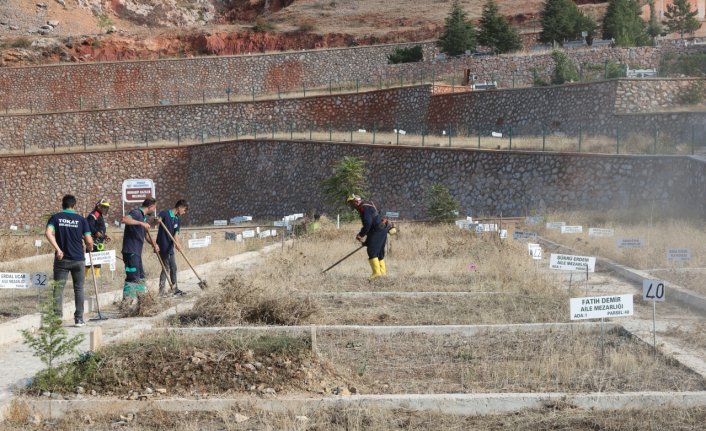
(69, 234)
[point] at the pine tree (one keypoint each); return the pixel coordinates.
(680, 18)
(441, 206)
(349, 176)
(654, 27)
(459, 34)
(622, 22)
(563, 20)
(495, 32)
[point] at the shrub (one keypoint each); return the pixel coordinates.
(564, 70)
(537, 79)
(21, 42)
(406, 55)
(441, 206)
(691, 95)
(689, 65)
(306, 27)
(49, 344)
(104, 22)
(262, 25)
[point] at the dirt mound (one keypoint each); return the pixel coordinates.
(199, 366)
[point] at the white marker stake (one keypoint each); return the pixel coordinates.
(653, 291)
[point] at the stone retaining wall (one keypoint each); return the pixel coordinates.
(383, 109)
(119, 84)
(588, 107)
(272, 179)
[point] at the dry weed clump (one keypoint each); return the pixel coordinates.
(555, 416)
(237, 301)
(143, 305)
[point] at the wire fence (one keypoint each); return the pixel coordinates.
(533, 137)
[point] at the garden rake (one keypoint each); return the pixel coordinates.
(202, 283)
(164, 268)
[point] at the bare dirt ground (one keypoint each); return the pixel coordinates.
(171, 29)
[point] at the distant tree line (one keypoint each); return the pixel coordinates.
(561, 21)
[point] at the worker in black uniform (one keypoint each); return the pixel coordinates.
(374, 230)
(96, 221)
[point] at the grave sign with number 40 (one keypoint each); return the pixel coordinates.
(653, 290)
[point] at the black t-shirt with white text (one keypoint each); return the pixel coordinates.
(69, 229)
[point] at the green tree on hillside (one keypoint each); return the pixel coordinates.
(459, 34)
(441, 206)
(564, 69)
(495, 32)
(680, 18)
(654, 27)
(562, 20)
(349, 176)
(622, 22)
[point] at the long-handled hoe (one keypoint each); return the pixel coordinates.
(164, 268)
(95, 289)
(202, 283)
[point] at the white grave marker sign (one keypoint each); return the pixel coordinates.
(631, 243)
(572, 263)
(571, 229)
(596, 231)
(555, 224)
(678, 255)
(596, 307)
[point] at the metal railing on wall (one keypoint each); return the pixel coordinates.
(579, 138)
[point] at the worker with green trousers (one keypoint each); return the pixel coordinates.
(136, 227)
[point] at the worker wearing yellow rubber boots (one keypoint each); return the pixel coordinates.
(96, 222)
(373, 234)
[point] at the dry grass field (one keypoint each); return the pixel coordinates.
(659, 233)
(503, 284)
(555, 417)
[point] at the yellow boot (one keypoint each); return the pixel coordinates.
(383, 270)
(96, 271)
(375, 266)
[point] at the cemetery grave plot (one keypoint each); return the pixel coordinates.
(436, 276)
(568, 360)
(18, 302)
(230, 364)
(668, 249)
(562, 416)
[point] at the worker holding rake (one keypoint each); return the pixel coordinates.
(168, 240)
(136, 227)
(374, 230)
